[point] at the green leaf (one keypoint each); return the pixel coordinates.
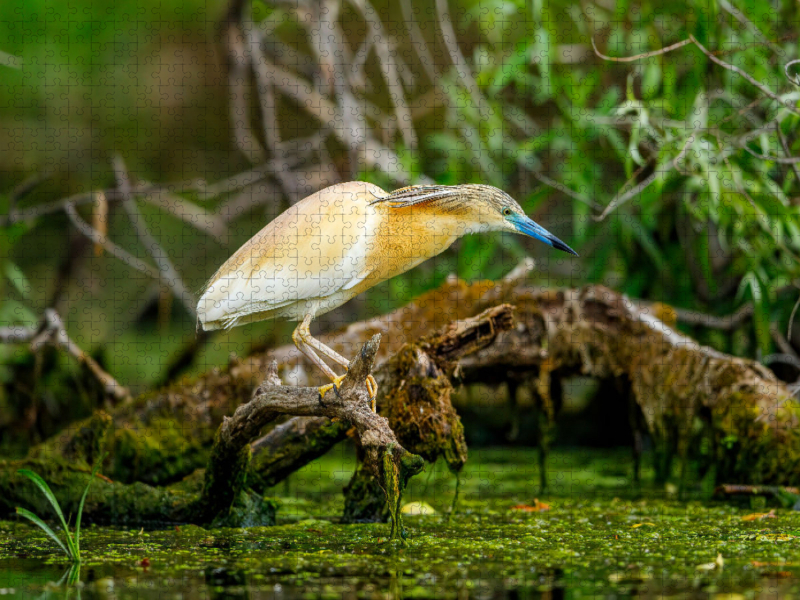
(18, 280)
(45, 527)
(45, 489)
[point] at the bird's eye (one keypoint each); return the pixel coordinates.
(506, 212)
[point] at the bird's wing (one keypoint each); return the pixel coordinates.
(318, 247)
(416, 194)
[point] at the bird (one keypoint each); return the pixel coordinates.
(343, 240)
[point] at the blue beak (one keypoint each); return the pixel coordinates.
(530, 227)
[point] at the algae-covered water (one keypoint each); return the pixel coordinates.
(593, 535)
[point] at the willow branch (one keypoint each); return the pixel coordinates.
(625, 59)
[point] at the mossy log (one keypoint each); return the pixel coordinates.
(731, 413)
(749, 418)
(433, 429)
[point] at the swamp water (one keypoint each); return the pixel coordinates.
(592, 536)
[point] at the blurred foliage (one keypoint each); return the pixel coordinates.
(671, 175)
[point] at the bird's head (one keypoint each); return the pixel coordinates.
(474, 207)
(491, 209)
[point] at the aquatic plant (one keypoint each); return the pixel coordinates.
(73, 546)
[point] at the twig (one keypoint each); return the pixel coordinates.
(23, 188)
(626, 59)
(710, 55)
(726, 323)
(107, 244)
(238, 62)
(166, 271)
(188, 212)
(418, 42)
(783, 344)
(53, 332)
(621, 198)
(739, 16)
(112, 195)
(389, 69)
(457, 58)
(791, 320)
(375, 154)
(331, 52)
(269, 121)
(790, 160)
(734, 69)
(565, 190)
(787, 150)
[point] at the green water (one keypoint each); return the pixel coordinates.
(600, 539)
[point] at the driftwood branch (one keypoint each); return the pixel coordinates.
(386, 458)
(415, 387)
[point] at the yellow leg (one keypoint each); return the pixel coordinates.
(337, 381)
(307, 345)
(299, 341)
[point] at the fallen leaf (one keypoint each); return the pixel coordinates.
(642, 525)
(778, 574)
(758, 516)
(536, 507)
(774, 563)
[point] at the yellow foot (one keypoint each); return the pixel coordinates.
(372, 388)
(331, 386)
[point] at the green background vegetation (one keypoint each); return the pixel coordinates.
(716, 228)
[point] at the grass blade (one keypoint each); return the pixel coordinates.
(45, 527)
(48, 493)
(80, 507)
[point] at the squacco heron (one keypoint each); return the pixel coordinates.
(343, 240)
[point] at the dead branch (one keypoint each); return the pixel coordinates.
(166, 271)
(386, 458)
(239, 61)
(390, 69)
(565, 190)
(188, 212)
(109, 246)
(53, 332)
(414, 394)
(418, 41)
(457, 58)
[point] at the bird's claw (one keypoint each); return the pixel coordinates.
(372, 388)
(337, 382)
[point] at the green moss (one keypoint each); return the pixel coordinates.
(598, 539)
